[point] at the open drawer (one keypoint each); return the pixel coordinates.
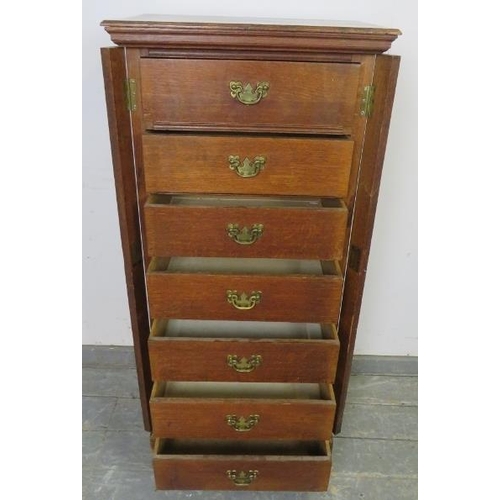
(245, 227)
(242, 465)
(245, 289)
(235, 410)
(244, 351)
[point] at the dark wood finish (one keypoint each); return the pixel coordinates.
(261, 55)
(284, 360)
(188, 94)
(197, 417)
(366, 69)
(385, 77)
(258, 35)
(133, 72)
(315, 233)
(113, 64)
(293, 298)
(191, 163)
(175, 139)
(283, 467)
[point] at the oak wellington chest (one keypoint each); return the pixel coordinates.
(247, 159)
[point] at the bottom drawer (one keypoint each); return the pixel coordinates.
(237, 465)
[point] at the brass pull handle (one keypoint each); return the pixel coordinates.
(242, 478)
(243, 302)
(245, 236)
(244, 365)
(248, 168)
(242, 424)
(246, 95)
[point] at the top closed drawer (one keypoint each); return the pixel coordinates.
(268, 96)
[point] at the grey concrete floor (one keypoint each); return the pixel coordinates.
(374, 458)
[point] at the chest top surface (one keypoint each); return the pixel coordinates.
(216, 32)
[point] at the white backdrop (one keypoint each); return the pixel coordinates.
(388, 323)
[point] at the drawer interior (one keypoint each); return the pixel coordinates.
(218, 265)
(165, 329)
(244, 201)
(241, 447)
(242, 390)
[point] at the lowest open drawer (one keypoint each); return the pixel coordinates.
(234, 410)
(244, 289)
(242, 465)
(243, 351)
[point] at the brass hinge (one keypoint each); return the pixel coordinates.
(130, 92)
(368, 101)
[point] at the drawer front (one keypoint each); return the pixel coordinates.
(234, 360)
(201, 164)
(280, 419)
(242, 472)
(287, 96)
(225, 231)
(297, 298)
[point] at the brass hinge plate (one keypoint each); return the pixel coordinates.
(368, 101)
(130, 94)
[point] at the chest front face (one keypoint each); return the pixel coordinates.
(247, 160)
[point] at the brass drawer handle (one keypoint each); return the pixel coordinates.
(245, 236)
(244, 365)
(246, 95)
(248, 168)
(243, 302)
(242, 424)
(242, 478)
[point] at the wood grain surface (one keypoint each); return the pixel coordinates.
(198, 163)
(316, 143)
(288, 232)
(306, 39)
(283, 360)
(377, 129)
(200, 418)
(292, 298)
(113, 64)
(314, 98)
(297, 470)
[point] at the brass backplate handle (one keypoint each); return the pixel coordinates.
(245, 236)
(242, 301)
(246, 168)
(242, 478)
(242, 424)
(244, 365)
(246, 94)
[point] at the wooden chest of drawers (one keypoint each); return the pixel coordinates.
(247, 159)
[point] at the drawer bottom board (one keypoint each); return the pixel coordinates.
(242, 466)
